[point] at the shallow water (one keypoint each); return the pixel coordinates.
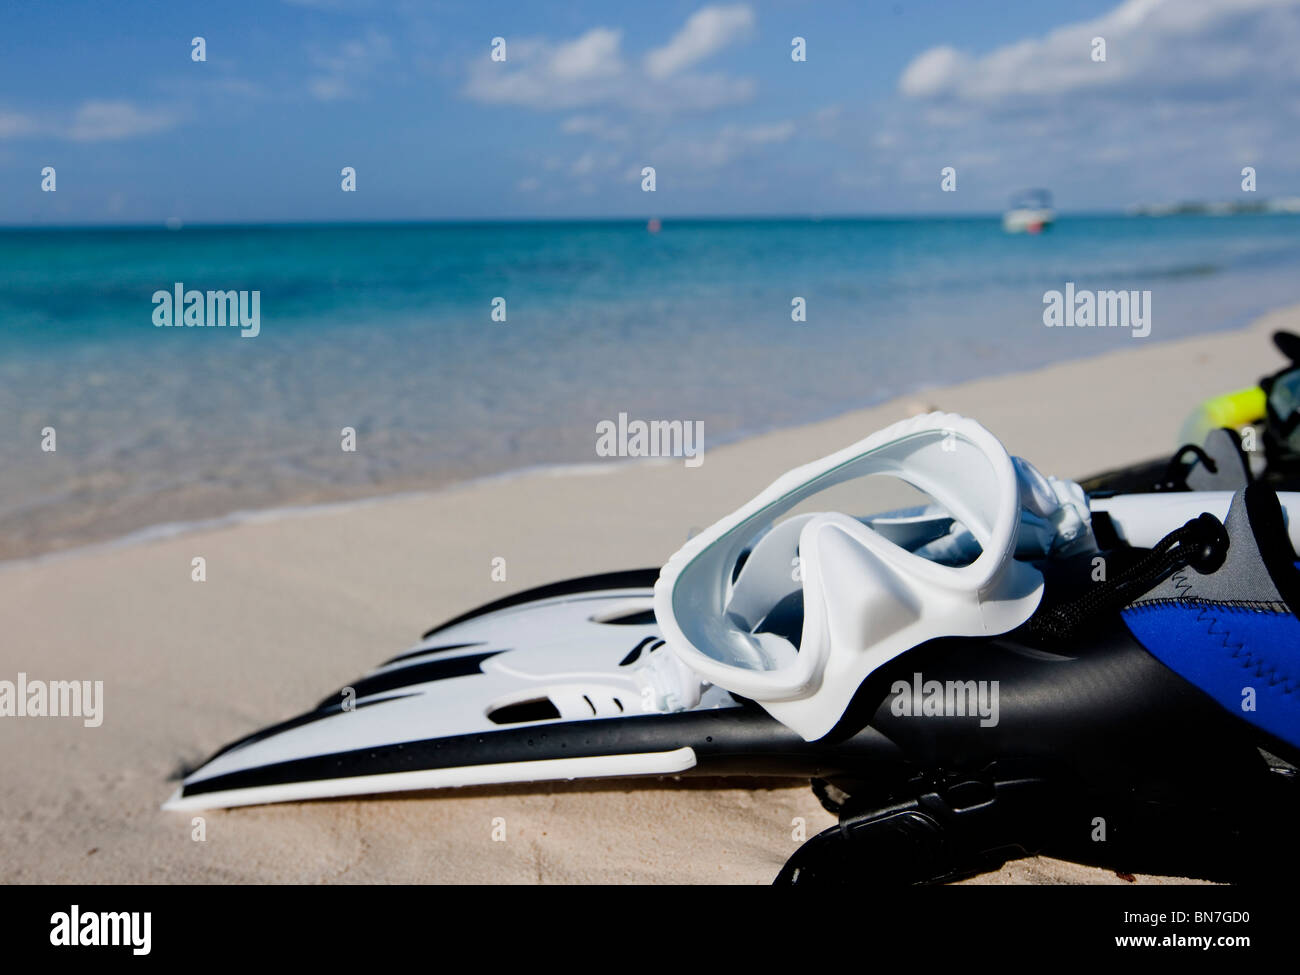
(388, 329)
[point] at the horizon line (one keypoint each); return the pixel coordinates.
(479, 221)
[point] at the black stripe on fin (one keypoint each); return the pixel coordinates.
(336, 707)
(422, 652)
(630, 579)
(415, 674)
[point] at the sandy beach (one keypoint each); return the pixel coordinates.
(297, 605)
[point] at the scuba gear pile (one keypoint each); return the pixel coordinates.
(952, 672)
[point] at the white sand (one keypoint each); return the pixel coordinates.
(298, 606)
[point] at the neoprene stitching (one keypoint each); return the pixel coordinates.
(1181, 583)
(1238, 605)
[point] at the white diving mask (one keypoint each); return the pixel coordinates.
(795, 612)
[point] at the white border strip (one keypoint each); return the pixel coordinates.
(600, 766)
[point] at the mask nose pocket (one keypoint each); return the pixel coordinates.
(770, 574)
(852, 597)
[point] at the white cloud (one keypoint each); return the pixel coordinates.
(593, 56)
(763, 134)
(538, 74)
(14, 125)
(328, 89)
(724, 146)
(591, 162)
(705, 32)
(340, 70)
(1190, 91)
(933, 72)
(696, 93)
(591, 70)
(1151, 45)
(240, 87)
(95, 120)
(102, 121)
(593, 124)
(596, 125)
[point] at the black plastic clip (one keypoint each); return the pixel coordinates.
(943, 833)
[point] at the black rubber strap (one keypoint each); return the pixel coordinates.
(1201, 542)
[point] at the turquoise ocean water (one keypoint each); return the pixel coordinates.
(388, 329)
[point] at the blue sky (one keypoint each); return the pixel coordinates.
(405, 92)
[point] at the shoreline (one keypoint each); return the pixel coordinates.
(346, 499)
(251, 516)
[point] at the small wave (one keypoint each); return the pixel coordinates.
(173, 529)
(1182, 271)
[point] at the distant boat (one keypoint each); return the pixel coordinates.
(1030, 213)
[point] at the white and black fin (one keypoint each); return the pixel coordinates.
(523, 689)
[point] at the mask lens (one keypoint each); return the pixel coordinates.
(754, 619)
(1284, 402)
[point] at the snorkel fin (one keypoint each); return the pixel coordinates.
(577, 681)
